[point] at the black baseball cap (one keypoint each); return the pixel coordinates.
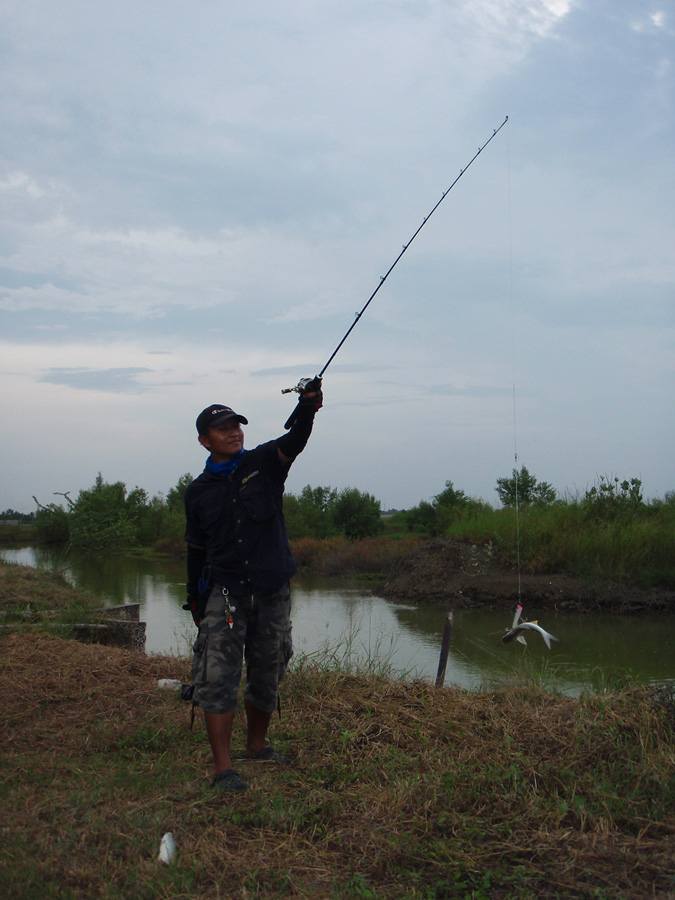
(214, 415)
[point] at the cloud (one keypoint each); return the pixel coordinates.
(19, 183)
(118, 381)
(197, 198)
(520, 18)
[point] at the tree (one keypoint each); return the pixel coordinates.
(52, 525)
(523, 489)
(446, 508)
(169, 515)
(310, 514)
(357, 515)
(319, 498)
(450, 497)
(174, 497)
(453, 505)
(151, 520)
(102, 519)
(420, 518)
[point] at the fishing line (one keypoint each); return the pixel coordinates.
(513, 354)
(308, 383)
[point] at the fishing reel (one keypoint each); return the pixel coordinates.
(305, 384)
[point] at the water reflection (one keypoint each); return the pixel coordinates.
(342, 618)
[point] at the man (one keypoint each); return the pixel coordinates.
(239, 566)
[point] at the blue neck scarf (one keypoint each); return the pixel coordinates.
(225, 468)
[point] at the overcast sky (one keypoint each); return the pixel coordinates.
(197, 196)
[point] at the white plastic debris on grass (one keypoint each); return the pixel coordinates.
(167, 849)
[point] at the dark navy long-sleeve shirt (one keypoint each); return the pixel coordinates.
(239, 521)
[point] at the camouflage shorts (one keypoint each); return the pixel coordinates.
(259, 632)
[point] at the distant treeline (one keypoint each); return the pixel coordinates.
(109, 517)
(12, 517)
(608, 532)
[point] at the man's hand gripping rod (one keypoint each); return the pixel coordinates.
(313, 384)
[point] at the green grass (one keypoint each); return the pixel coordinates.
(399, 789)
(620, 542)
(566, 538)
(32, 598)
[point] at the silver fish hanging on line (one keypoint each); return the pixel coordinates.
(515, 632)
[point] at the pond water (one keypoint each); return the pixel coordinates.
(344, 618)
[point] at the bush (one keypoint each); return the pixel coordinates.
(357, 515)
(324, 512)
(52, 525)
(610, 498)
(523, 489)
(309, 515)
(104, 518)
(447, 508)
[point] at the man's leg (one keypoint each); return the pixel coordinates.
(268, 648)
(258, 723)
(219, 730)
(216, 672)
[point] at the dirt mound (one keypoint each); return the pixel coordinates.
(461, 574)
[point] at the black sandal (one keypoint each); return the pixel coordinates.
(267, 754)
(229, 780)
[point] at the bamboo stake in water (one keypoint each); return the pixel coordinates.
(445, 647)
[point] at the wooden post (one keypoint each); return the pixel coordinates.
(445, 647)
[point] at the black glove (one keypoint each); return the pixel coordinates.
(193, 606)
(312, 387)
(313, 403)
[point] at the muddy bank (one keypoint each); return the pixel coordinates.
(461, 575)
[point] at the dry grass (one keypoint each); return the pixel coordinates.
(399, 790)
(339, 556)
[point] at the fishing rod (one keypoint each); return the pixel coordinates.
(306, 384)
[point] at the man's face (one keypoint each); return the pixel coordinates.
(224, 440)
